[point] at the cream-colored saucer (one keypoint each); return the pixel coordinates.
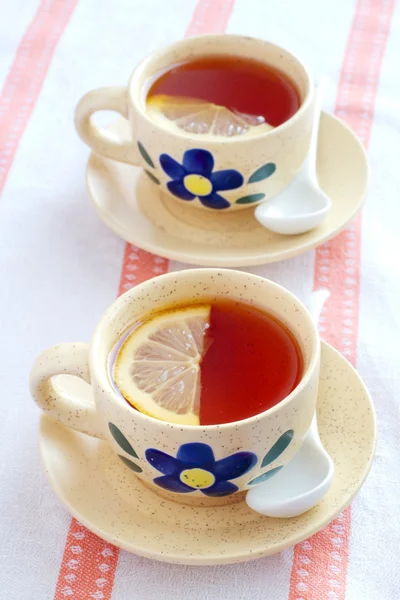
(136, 210)
(104, 495)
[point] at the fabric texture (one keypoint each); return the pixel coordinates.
(60, 267)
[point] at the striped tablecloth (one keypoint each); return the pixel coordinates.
(60, 268)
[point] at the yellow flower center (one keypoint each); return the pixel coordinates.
(197, 478)
(198, 185)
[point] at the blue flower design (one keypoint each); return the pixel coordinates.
(195, 468)
(194, 178)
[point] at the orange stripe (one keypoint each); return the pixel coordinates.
(80, 579)
(210, 16)
(138, 266)
(27, 74)
(320, 564)
(79, 576)
(88, 565)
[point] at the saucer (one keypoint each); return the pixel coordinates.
(106, 497)
(137, 211)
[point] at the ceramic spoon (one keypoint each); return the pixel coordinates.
(302, 205)
(303, 482)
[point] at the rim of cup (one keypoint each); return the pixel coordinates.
(136, 85)
(97, 350)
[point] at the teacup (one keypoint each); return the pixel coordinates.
(258, 167)
(222, 460)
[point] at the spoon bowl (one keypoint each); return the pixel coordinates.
(300, 485)
(304, 481)
(302, 205)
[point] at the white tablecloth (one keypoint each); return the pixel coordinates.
(60, 268)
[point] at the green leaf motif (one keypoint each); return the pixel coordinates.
(151, 176)
(145, 155)
(278, 448)
(265, 476)
(121, 440)
(263, 172)
(251, 198)
(130, 464)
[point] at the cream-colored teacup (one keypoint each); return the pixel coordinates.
(221, 460)
(215, 173)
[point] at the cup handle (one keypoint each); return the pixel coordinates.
(100, 140)
(61, 405)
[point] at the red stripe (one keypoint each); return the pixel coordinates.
(210, 16)
(82, 580)
(89, 563)
(139, 266)
(27, 74)
(79, 578)
(320, 564)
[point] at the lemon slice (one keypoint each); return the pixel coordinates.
(202, 117)
(158, 366)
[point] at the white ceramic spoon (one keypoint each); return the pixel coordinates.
(302, 205)
(303, 482)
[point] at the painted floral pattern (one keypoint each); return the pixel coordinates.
(273, 454)
(194, 178)
(195, 468)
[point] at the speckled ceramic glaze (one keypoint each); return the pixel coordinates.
(222, 174)
(140, 213)
(194, 464)
(108, 499)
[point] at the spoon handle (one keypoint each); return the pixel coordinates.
(319, 92)
(316, 303)
(315, 306)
